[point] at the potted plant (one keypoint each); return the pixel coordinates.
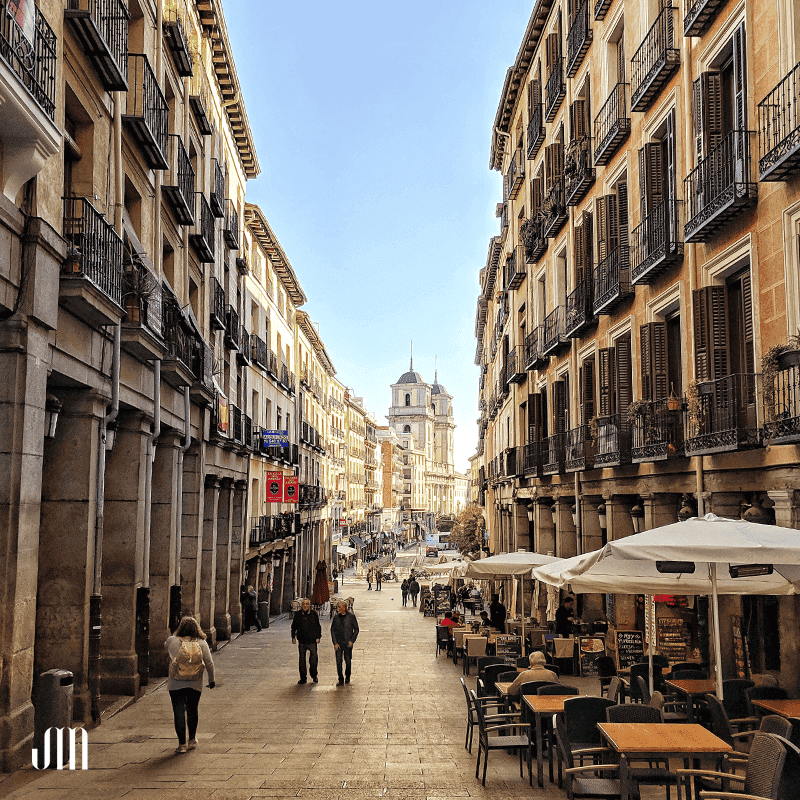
(694, 407)
(138, 285)
(673, 401)
(72, 262)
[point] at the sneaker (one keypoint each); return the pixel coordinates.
(192, 743)
(181, 748)
(302, 680)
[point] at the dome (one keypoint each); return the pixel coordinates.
(411, 377)
(438, 389)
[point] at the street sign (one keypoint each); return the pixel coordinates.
(276, 438)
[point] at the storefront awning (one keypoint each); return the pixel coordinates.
(357, 541)
(344, 550)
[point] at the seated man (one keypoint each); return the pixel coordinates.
(449, 621)
(537, 672)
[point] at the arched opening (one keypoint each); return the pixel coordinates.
(408, 399)
(406, 429)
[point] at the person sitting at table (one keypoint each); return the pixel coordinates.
(449, 621)
(497, 613)
(538, 672)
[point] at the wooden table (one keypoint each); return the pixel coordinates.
(691, 689)
(502, 688)
(656, 741)
(542, 705)
(784, 708)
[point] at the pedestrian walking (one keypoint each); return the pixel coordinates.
(378, 579)
(189, 655)
(344, 632)
(369, 580)
(404, 591)
(307, 631)
(413, 590)
(250, 608)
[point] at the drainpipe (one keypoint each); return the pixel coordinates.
(175, 593)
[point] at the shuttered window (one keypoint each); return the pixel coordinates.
(579, 119)
(534, 417)
(707, 113)
(651, 177)
(534, 95)
(654, 361)
(553, 51)
(554, 163)
(587, 391)
(622, 224)
(739, 79)
(622, 373)
(605, 361)
(583, 249)
(536, 196)
(607, 226)
(710, 318)
(560, 406)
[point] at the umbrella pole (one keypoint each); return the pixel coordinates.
(715, 614)
(522, 606)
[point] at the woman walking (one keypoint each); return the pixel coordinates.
(404, 591)
(189, 653)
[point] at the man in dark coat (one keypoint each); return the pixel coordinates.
(344, 632)
(249, 600)
(413, 590)
(497, 613)
(306, 628)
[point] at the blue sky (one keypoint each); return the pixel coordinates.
(372, 124)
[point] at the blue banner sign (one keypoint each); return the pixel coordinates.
(276, 438)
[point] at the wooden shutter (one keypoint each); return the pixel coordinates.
(710, 317)
(622, 227)
(536, 196)
(560, 403)
(531, 97)
(554, 163)
(655, 375)
(553, 51)
(607, 226)
(707, 112)
(577, 120)
(747, 324)
(739, 80)
(651, 172)
(587, 391)
(579, 250)
(605, 359)
(534, 417)
(670, 180)
(622, 374)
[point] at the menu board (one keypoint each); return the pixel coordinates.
(630, 648)
(441, 600)
(590, 648)
(673, 639)
(506, 645)
(426, 602)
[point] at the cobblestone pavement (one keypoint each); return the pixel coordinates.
(396, 731)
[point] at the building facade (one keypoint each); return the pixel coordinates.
(636, 307)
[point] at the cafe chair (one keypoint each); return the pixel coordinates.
(790, 779)
(615, 691)
(558, 689)
(484, 662)
(593, 781)
(735, 702)
(644, 689)
(489, 677)
(658, 661)
(443, 639)
(524, 661)
(671, 711)
(581, 715)
(458, 642)
(643, 670)
(606, 669)
(761, 780)
(687, 666)
(721, 726)
(475, 647)
(688, 674)
(505, 736)
(494, 715)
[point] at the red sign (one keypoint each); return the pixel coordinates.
(291, 490)
(274, 487)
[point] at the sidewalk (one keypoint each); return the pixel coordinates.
(396, 731)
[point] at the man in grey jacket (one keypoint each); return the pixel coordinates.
(344, 632)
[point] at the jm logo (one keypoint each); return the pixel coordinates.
(59, 760)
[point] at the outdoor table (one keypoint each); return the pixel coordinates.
(691, 689)
(784, 708)
(502, 688)
(657, 741)
(539, 705)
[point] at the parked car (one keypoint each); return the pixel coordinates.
(431, 552)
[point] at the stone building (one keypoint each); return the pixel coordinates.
(645, 272)
(390, 454)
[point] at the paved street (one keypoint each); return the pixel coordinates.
(396, 731)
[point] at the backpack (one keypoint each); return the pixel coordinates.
(188, 662)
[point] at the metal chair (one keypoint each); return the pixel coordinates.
(644, 671)
(615, 690)
(644, 689)
(671, 711)
(558, 688)
(472, 714)
(531, 687)
(484, 662)
(735, 701)
(475, 647)
(606, 669)
(458, 642)
(489, 677)
(443, 639)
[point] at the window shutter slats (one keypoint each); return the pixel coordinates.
(707, 112)
(655, 376)
(651, 171)
(607, 227)
(534, 417)
(622, 374)
(605, 359)
(587, 392)
(747, 323)
(622, 224)
(739, 79)
(577, 119)
(580, 249)
(710, 317)
(560, 402)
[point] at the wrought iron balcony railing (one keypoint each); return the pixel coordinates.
(612, 446)
(147, 112)
(579, 314)
(535, 356)
(579, 172)
(515, 177)
(231, 229)
(657, 242)
(94, 247)
(655, 62)
(536, 130)
(217, 196)
(578, 449)
(532, 234)
(779, 129)
(579, 38)
(200, 102)
(532, 462)
(203, 363)
(177, 41)
(232, 330)
(699, 15)
(202, 236)
(555, 208)
(514, 367)
(237, 424)
(612, 281)
(101, 27)
(657, 430)
(782, 406)
(723, 415)
(612, 125)
(247, 431)
(515, 268)
(555, 333)
(555, 90)
(553, 454)
(217, 301)
(720, 187)
(178, 186)
(178, 337)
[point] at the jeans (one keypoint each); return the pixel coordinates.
(184, 709)
(345, 653)
(310, 648)
(405, 598)
(414, 599)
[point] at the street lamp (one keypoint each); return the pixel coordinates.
(603, 522)
(573, 510)
(531, 511)
(52, 408)
(686, 511)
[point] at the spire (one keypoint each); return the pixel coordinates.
(436, 369)
(411, 368)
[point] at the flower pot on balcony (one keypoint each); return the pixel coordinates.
(789, 358)
(72, 263)
(705, 388)
(673, 403)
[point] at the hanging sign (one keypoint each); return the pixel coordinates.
(274, 487)
(276, 438)
(291, 490)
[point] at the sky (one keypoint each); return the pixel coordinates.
(372, 123)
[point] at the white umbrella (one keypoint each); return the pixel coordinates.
(683, 558)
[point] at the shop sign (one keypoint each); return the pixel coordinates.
(223, 414)
(291, 490)
(23, 12)
(274, 487)
(276, 438)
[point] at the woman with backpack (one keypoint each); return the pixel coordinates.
(189, 654)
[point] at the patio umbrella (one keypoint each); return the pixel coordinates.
(704, 555)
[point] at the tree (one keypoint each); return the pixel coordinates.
(467, 533)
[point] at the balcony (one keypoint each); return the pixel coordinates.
(514, 179)
(578, 449)
(202, 390)
(779, 130)
(177, 42)
(515, 268)
(601, 9)
(217, 300)
(142, 331)
(531, 459)
(508, 463)
(231, 226)
(612, 283)
(612, 125)
(247, 432)
(555, 332)
(578, 39)
(258, 349)
(657, 431)
(272, 364)
(534, 353)
(514, 367)
(177, 369)
(178, 185)
(579, 173)
(655, 62)
(91, 276)
(553, 454)
(217, 197)
(202, 235)
(237, 424)
(532, 234)
(782, 406)
(612, 446)
(579, 314)
(200, 103)
(555, 208)
(536, 130)
(719, 188)
(656, 243)
(232, 330)
(146, 113)
(700, 15)
(722, 416)
(555, 90)
(101, 27)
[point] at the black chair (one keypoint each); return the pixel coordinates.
(488, 703)
(443, 639)
(505, 736)
(658, 661)
(688, 674)
(644, 689)
(763, 693)
(489, 677)
(790, 780)
(558, 688)
(524, 661)
(735, 702)
(671, 711)
(531, 687)
(644, 671)
(581, 715)
(484, 662)
(615, 690)
(606, 669)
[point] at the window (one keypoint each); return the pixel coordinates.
(615, 378)
(587, 390)
(408, 399)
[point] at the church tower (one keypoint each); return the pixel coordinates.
(443, 423)
(411, 412)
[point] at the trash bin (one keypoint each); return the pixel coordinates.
(52, 709)
(263, 613)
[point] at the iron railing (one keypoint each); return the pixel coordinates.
(699, 15)
(231, 229)
(612, 441)
(782, 405)
(612, 281)
(536, 130)
(555, 90)
(177, 336)
(531, 461)
(579, 38)
(514, 366)
(578, 449)
(612, 125)
(657, 430)
(237, 424)
(202, 235)
(555, 208)
(176, 40)
(555, 333)
(533, 237)
(779, 129)
(655, 62)
(258, 348)
(94, 247)
(579, 314)
(553, 454)
(217, 196)
(203, 363)
(534, 351)
(147, 111)
(231, 335)
(178, 183)
(657, 242)
(515, 177)
(579, 172)
(515, 268)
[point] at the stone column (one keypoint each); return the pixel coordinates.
(786, 507)
(208, 558)
(192, 529)
(590, 524)
(222, 619)
(238, 548)
(726, 504)
(618, 517)
(123, 546)
(566, 544)
(545, 529)
(522, 538)
(659, 509)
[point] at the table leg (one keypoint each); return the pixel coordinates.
(625, 789)
(539, 746)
